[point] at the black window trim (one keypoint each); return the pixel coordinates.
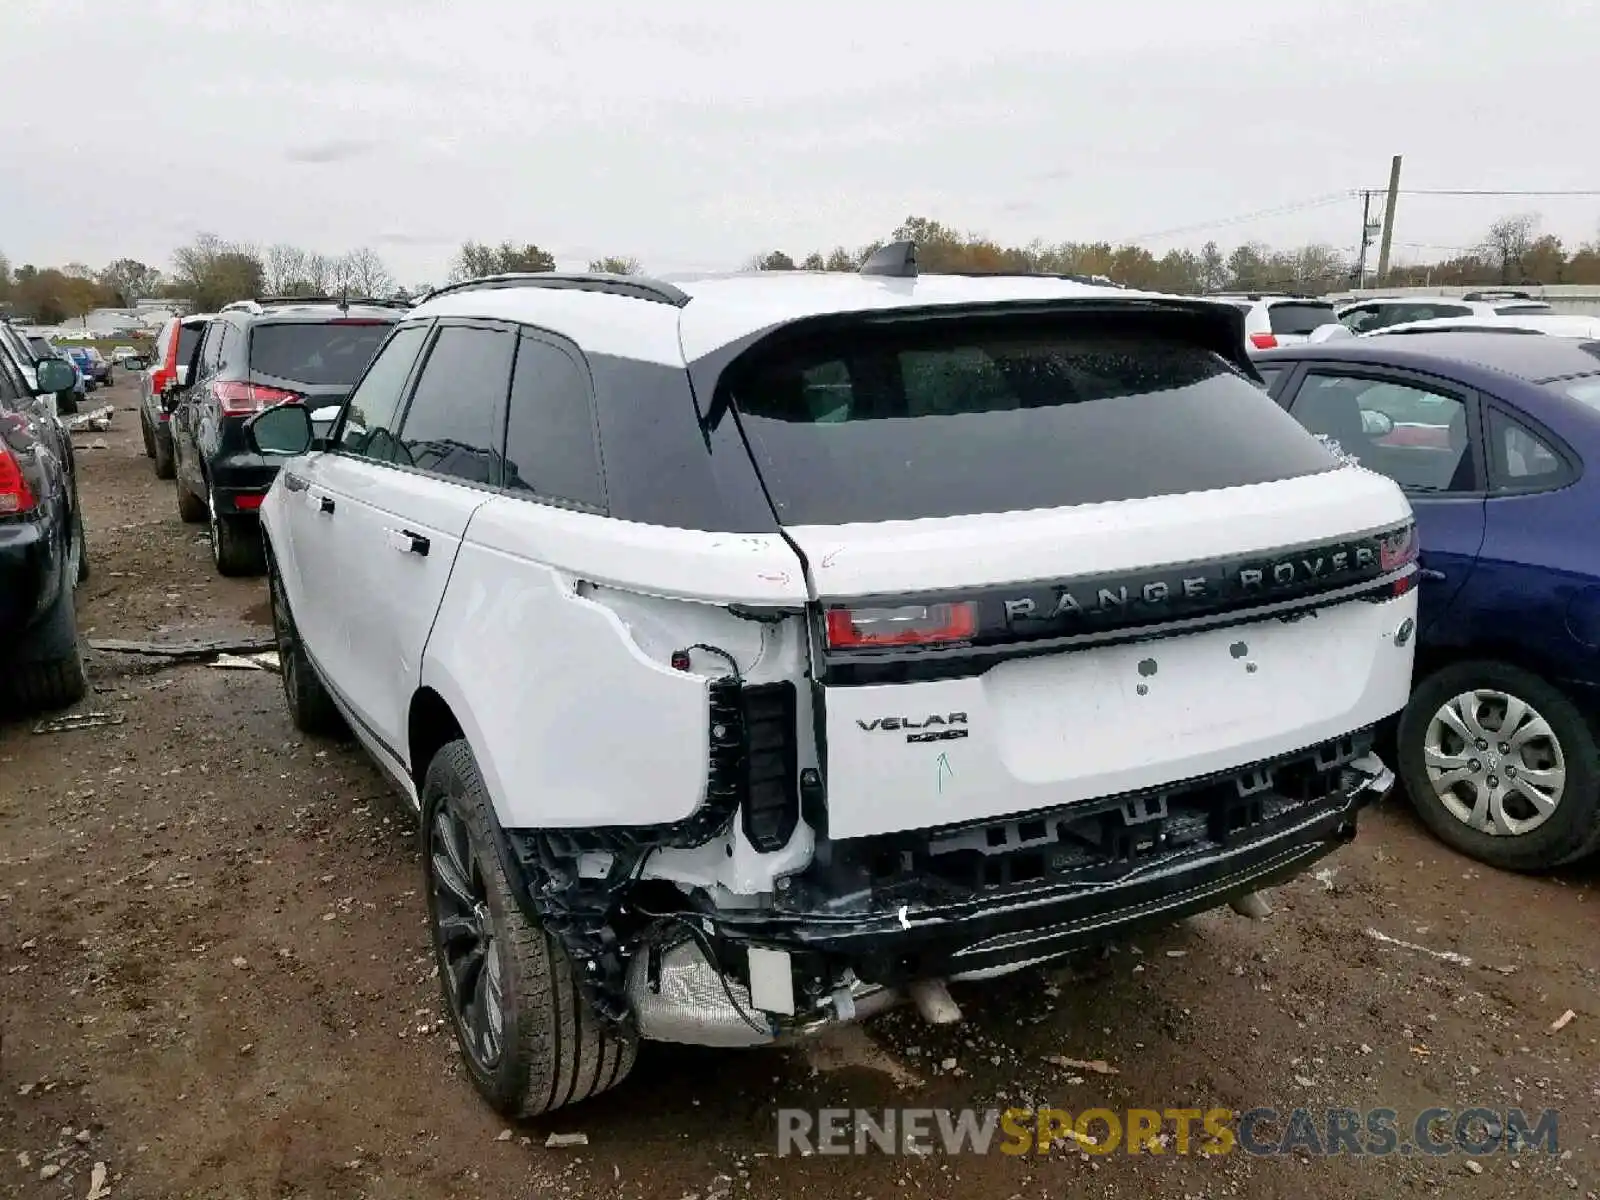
(571, 350)
(402, 405)
(409, 390)
(1378, 373)
(1571, 461)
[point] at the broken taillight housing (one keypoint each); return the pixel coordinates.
(902, 625)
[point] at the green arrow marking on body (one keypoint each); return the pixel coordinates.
(944, 769)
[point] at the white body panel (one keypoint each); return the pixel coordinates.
(899, 557)
(377, 599)
(581, 720)
(1067, 727)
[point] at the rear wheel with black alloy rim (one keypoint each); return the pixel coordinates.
(236, 545)
(530, 1042)
(1502, 766)
(311, 709)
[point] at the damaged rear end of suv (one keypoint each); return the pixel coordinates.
(923, 630)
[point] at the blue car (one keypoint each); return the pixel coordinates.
(1492, 435)
(83, 361)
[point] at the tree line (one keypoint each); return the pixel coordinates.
(210, 271)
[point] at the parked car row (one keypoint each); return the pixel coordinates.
(214, 370)
(721, 731)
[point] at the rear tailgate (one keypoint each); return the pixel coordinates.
(1293, 321)
(1046, 558)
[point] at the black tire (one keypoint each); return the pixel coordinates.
(553, 1050)
(166, 464)
(79, 541)
(1570, 832)
(144, 432)
(236, 545)
(49, 683)
(311, 709)
(66, 403)
(191, 508)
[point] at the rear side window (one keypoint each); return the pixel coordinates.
(939, 419)
(331, 352)
(550, 445)
(188, 339)
(1522, 306)
(451, 427)
(1295, 317)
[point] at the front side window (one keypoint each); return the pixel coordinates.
(452, 425)
(550, 444)
(939, 418)
(373, 411)
(1417, 437)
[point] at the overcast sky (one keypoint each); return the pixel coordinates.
(693, 133)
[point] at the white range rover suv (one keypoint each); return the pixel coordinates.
(762, 650)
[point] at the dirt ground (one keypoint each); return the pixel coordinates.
(215, 980)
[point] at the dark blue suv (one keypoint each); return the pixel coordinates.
(1493, 436)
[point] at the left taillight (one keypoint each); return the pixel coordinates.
(242, 399)
(1264, 341)
(901, 625)
(15, 494)
(1397, 549)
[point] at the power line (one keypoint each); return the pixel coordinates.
(1591, 192)
(1243, 218)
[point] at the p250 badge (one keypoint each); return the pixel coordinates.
(935, 727)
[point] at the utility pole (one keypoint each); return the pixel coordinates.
(1388, 217)
(1366, 240)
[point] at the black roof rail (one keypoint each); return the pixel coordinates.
(635, 287)
(1500, 294)
(897, 260)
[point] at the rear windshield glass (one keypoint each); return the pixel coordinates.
(314, 352)
(1585, 388)
(1521, 306)
(1299, 318)
(935, 419)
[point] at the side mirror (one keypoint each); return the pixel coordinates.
(1376, 424)
(284, 430)
(56, 376)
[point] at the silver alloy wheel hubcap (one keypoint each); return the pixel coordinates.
(1494, 762)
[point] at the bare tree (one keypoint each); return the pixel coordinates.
(130, 279)
(285, 270)
(1508, 243)
(366, 274)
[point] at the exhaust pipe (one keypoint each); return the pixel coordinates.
(934, 1002)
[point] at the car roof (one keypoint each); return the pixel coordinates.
(697, 315)
(1529, 356)
(1556, 324)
